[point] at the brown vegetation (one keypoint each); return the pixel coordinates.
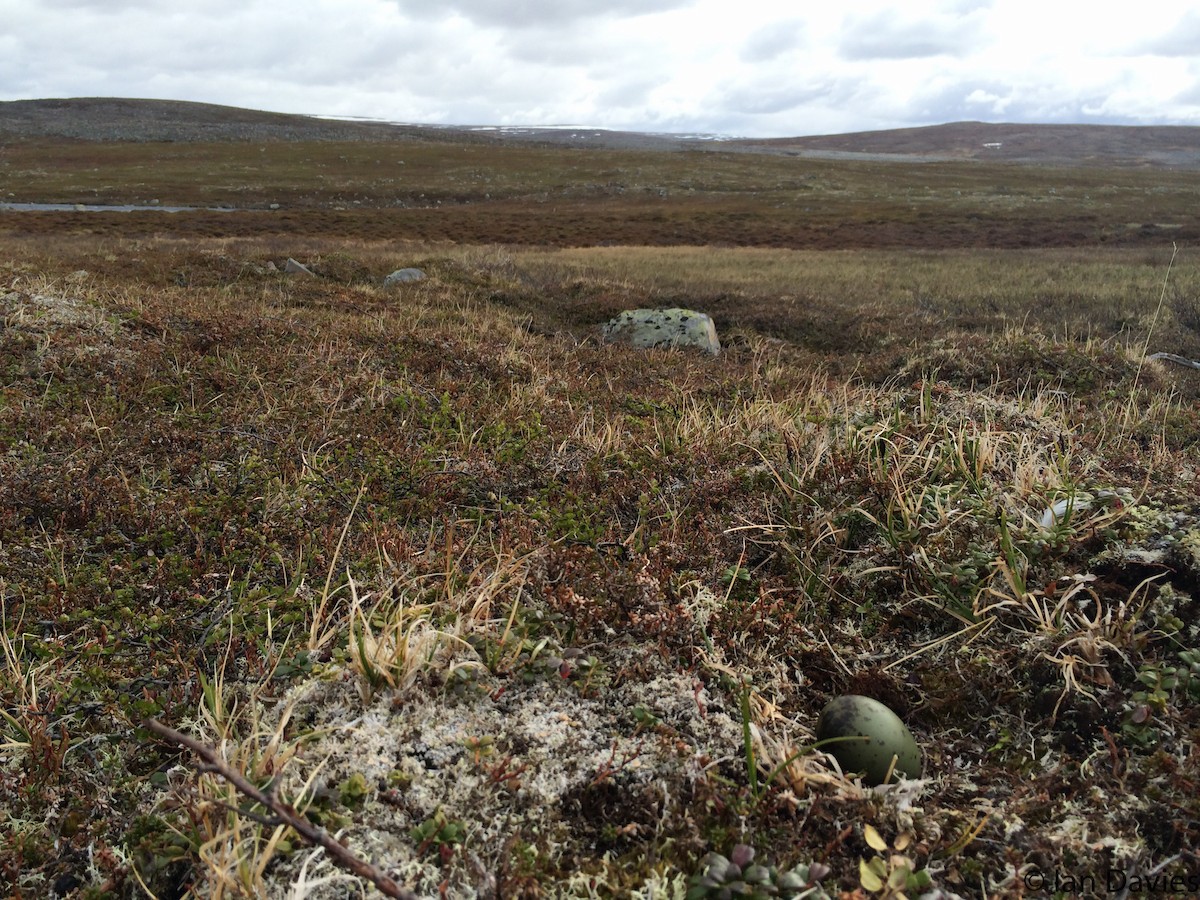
(515, 613)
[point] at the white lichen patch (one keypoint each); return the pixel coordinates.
(497, 762)
(703, 604)
(37, 311)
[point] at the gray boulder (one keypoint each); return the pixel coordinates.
(294, 268)
(403, 276)
(663, 328)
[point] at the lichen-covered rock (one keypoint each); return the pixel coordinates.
(663, 328)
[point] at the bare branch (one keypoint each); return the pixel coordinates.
(286, 814)
(1178, 360)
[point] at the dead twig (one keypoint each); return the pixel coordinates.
(285, 813)
(1178, 360)
(1114, 754)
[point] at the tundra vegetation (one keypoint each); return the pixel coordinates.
(512, 612)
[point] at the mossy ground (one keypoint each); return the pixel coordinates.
(527, 593)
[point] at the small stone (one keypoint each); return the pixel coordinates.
(403, 276)
(294, 268)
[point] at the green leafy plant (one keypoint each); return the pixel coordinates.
(1188, 674)
(735, 574)
(738, 875)
(1160, 685)
(645, 718)
(439, 833)
(891, 874)
(353, 790)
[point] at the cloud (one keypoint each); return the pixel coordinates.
(1181, 39)
(765, 102)
(1021, 98)
(986, 99)
(1189, 95)
(533, 13)
(768, 96)
(888, 35)
(690, 65)
(563, 47)
(995, 104)
(114, 8)
(773, 40)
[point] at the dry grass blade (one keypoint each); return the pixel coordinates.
(1162, 297)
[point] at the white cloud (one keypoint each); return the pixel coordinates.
(889, 34)
(533, 13)
(1189, 93)
(755, 67)
(992, 104)
(772, 40)
(1182, 38)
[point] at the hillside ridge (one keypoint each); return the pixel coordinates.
(120, 119)
(106, 119)
(1012, 141)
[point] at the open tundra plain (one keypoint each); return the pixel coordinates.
(496, 609)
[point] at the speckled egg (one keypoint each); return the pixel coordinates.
(881, 736)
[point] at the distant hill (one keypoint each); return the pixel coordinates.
(117, 119)
(1102, 144)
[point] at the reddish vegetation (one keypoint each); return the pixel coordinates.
(580, 223)
(217, 478)
(966, 185)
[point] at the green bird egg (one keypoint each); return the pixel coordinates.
(876, 736)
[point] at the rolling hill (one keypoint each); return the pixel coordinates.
(120, 119)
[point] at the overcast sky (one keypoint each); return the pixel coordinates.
(741, 67)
